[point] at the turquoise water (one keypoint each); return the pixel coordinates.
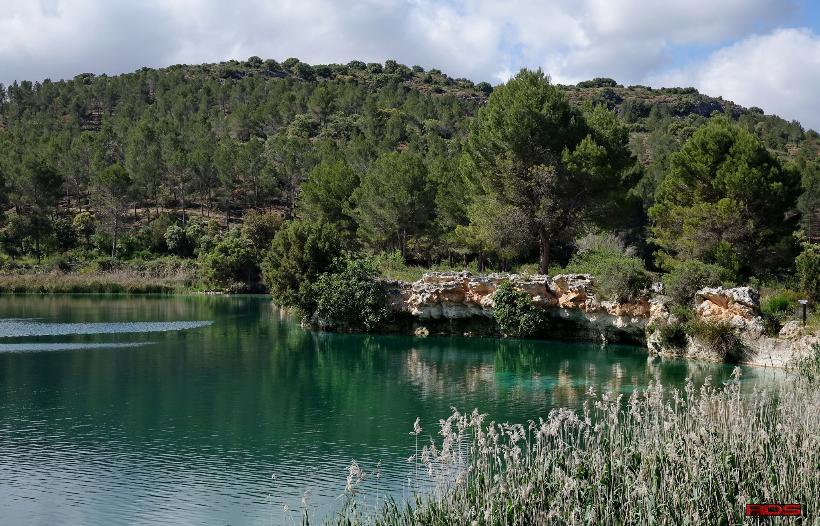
(221, 410)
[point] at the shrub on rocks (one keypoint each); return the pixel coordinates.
(515, 313)
(688, 277)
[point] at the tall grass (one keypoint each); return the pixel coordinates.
(660, 456)
(98, 282)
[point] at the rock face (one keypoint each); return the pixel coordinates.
(739, 308)
(567, 297)
(451, 301)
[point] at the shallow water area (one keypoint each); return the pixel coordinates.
(221, 410)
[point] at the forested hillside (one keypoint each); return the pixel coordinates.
(210, 162)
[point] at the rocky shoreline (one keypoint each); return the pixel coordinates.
(462, 303)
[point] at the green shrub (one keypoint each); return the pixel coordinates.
(515, 313)
(808, 271)
(153, 234)
(682, 313)
(720, 337)
(350, 296)
(673, 335)
(84, 225)
(618, 277)
(260, 228)
(177, 241)
(230, 266)
(528, 269)
(688, 277)
(300, 252)
(778, 307)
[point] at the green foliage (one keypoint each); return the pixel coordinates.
(84, 225)
(687, 277)
(617, 275)
(399, 159)
(65, 236)
(673, 335)
(719, 337)
(808, 271)
(598, 82)
(393, 201)
(260, 228)
(326, 195)
(350, 296)
(809, 201)
(231, 265)
(722, 201)
(533, 156)
(515, 313)
(300, 252)
(178, 242)
(780, 304)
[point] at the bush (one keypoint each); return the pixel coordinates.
(350, 296)
(154, 233)
(84, 225)
(808, 271)
(300, 252)
(618, 277)
(780, 305)
(515, 313)
(673, 335)
(231, 265)
(688, 277)
(720, 337)
(177, 241)
(260, 228)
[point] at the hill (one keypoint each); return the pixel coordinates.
(214, 141)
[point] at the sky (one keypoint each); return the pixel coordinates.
(763, 53)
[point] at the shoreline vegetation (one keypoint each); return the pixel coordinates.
(319, 183)
(661, 456)
(96, 283)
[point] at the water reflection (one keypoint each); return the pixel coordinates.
(189, 425)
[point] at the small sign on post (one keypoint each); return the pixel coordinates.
(803, 304)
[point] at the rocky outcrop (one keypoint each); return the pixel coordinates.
(568, 298)
(460, 302)
(739, 309)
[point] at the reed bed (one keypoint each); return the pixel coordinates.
(99, 282)
(660, 456)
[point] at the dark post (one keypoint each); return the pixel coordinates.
(803, 305)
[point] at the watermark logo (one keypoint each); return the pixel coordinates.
(773, 510)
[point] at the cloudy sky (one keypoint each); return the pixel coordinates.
(756, 52)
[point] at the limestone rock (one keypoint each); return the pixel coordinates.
(792, 330)
(738, 306)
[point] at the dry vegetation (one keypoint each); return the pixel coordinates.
(660, 456)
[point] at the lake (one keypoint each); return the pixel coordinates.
(222, 410)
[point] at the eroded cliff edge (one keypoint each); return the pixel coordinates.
(459, 302)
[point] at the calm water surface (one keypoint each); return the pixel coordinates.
(219, 410)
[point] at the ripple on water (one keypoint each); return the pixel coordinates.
(39, 347)
(17, 328)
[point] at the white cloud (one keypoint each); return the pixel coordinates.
(778, 71)
(629, 40)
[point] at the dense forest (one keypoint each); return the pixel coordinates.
(260, 168)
